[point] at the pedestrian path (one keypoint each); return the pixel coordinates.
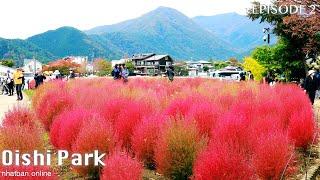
(7, 102)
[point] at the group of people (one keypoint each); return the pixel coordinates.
(120, 72)
(15, 79)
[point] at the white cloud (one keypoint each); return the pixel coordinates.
(24, 18)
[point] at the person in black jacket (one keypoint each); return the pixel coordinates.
(170, 73)
(311, 85)
(39, 78)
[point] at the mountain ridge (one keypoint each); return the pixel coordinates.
(163, 30)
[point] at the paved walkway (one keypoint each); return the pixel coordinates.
(7, 102)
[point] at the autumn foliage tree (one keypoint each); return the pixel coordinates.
(63, 65)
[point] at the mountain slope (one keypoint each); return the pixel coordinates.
(236, 29)
(18, 50)
(67, 41)
(168, 31)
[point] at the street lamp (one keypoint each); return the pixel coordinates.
(266, 38)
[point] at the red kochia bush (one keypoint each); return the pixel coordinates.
(221, 161)
(145, 137)
(130, 116)
(20, 138)
(271, 155)
(177, 148)
(94, 135)
(19, 116)
(121, 166)
(302, 128)
(52, 104)
(31, 170)
(67, 125)
(205, 114)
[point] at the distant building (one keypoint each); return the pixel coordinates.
(198, 64)
(151, 64)
(32, 65)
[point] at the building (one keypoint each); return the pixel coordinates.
(151, 64)
(198, 65)
(32, 66)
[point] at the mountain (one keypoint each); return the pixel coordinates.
(236, 29)
(20, 49)
(162, 31)
(165, 30)
(67, 41)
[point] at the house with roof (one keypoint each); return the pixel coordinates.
(32, 66)
(151, 64)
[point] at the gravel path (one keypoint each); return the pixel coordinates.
(7, 102)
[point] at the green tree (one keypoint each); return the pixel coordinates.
(298, 31)
(102, 67)
(7, 62)
(220, 64)
(130, 66)
(205, 68)
(280, 60)
(181, 69)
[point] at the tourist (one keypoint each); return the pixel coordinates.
(115, 72)
(18, 77)
(72, 74)
(242, 76)
(124, 73)
(310, 85)
(250, 76)
(39, 78)
(170, 73)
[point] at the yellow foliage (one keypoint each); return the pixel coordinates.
(253, 65)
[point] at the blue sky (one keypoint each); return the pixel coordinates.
(24, 18)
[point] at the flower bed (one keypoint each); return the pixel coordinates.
(198, 128)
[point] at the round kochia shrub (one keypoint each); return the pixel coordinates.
(95, 134)
(19, 116)
(273, 156)
(21, 138)
(51, 105)
(177, 148)
(145, 137)
(121, 166)
(67, 125)
(221, 161)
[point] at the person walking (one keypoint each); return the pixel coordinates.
(17, 78)
(310, 85)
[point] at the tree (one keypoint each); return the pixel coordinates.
(181, 69)
(300, 31)
(279, 60)
(205, 68)
(63, 65)
(130, 66)
(102, 67)
(256, 69)
(217, 65)
(7, 62)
